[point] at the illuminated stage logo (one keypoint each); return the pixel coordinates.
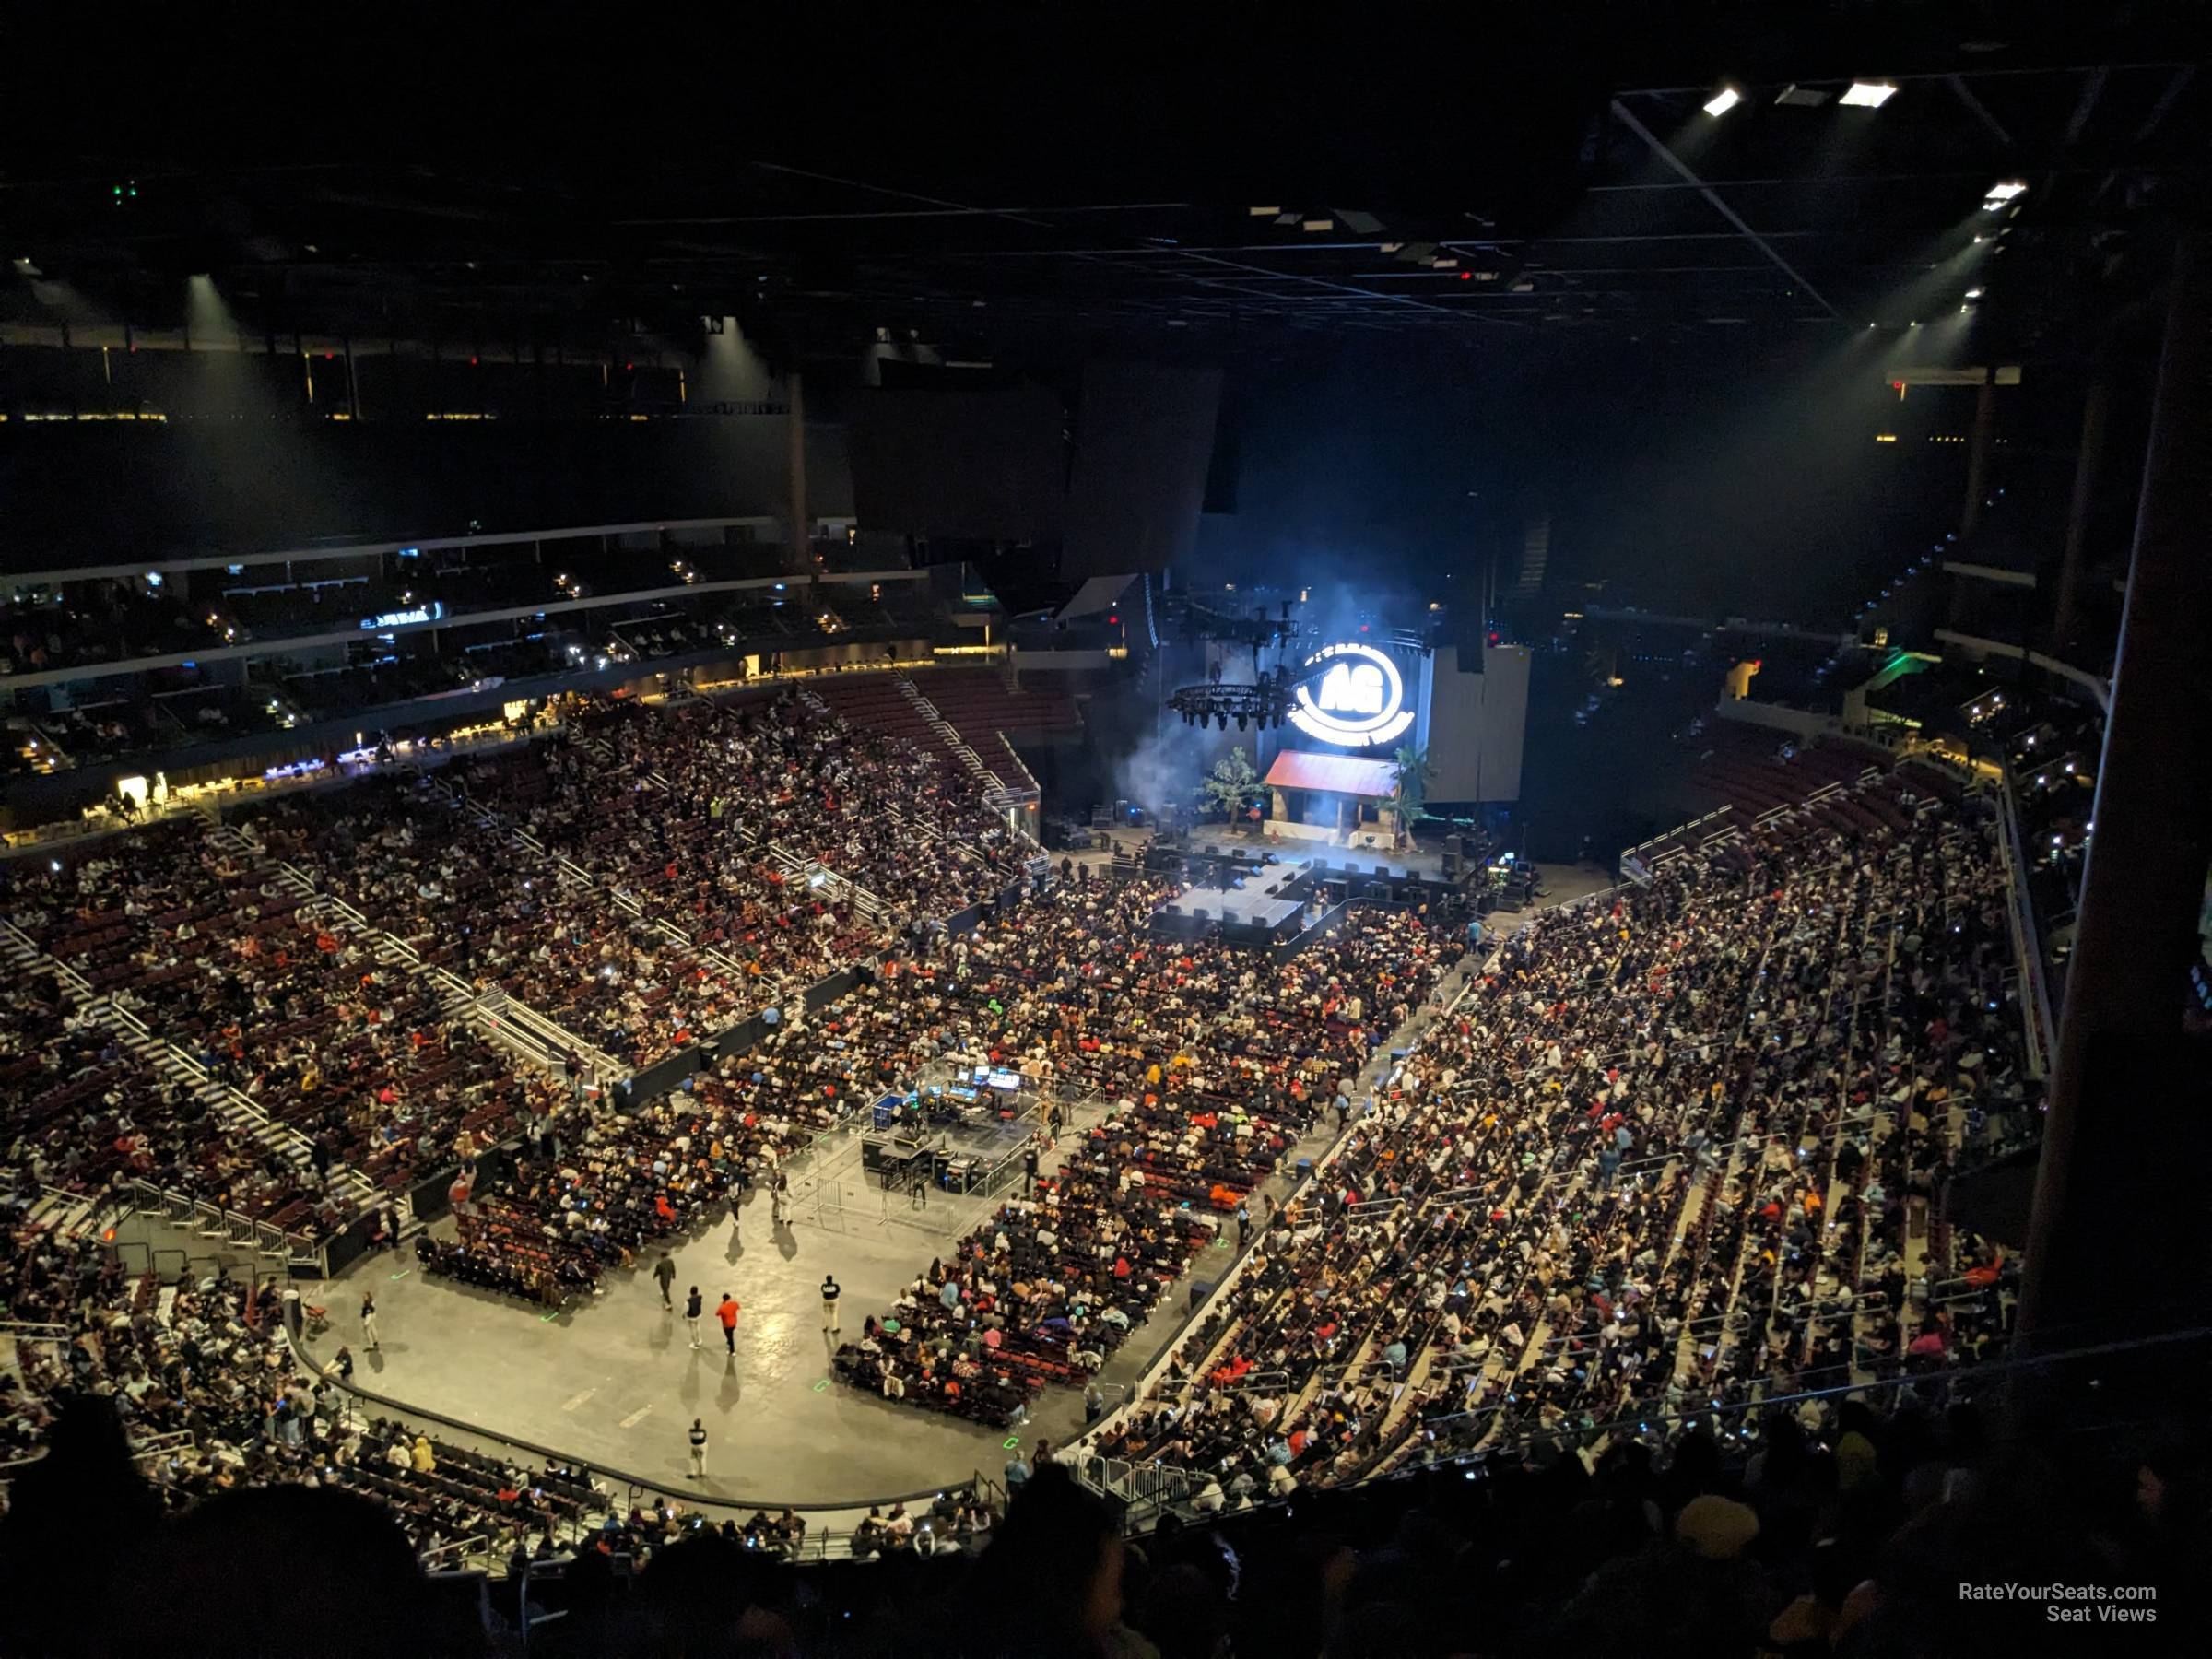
(1359, 702)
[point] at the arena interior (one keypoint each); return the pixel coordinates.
(1115, 834)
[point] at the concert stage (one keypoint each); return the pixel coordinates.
(1255, 902)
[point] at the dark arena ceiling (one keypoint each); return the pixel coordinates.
(1013, 184)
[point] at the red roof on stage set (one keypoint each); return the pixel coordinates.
(1338, 774)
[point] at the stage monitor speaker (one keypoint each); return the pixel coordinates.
(1336, 891)
(1377, 890)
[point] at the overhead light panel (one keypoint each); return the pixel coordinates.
(2003, 192)
(1868, 95)
(1802, 97)
(1973, 293)
(1263, 212)
(1721, 102)
(1316, 224)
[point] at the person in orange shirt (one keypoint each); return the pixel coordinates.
(726, 1312)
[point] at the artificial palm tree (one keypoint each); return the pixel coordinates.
(1410, 787)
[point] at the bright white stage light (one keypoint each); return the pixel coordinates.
(1973, 293)
(1721, 102)
(2001, 193)
(1868, 95)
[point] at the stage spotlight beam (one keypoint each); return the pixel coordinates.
(1622, 114)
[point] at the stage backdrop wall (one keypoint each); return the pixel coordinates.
(1472, 723)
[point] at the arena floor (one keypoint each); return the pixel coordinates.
(613, 1381)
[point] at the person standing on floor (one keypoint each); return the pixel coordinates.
(1029, 1170)
(691, 1310)
(664, 1270)
(368, 1322)
(699, 1451)
(830, 1292)
(779, 1199)
(727, 1313)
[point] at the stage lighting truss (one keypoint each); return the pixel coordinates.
(1265, 704)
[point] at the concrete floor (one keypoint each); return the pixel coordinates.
(614, 1382)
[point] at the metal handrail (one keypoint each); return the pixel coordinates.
(176, 1204)
(460, 1548)
(496, 1005)
(37, 1330)
(2036, 1016)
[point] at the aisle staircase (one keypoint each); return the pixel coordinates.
(240, 1115)
(514, 1026)
(1007, 784)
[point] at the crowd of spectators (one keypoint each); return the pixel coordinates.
(1215, 1064)
(94, 622)
(206, 1396)
(1850, 1538)
(1678, 1150)
(1619, 1234)
(207, 941)
(864, 806)
(274, 998)
(467, 896)
(86, 1120)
